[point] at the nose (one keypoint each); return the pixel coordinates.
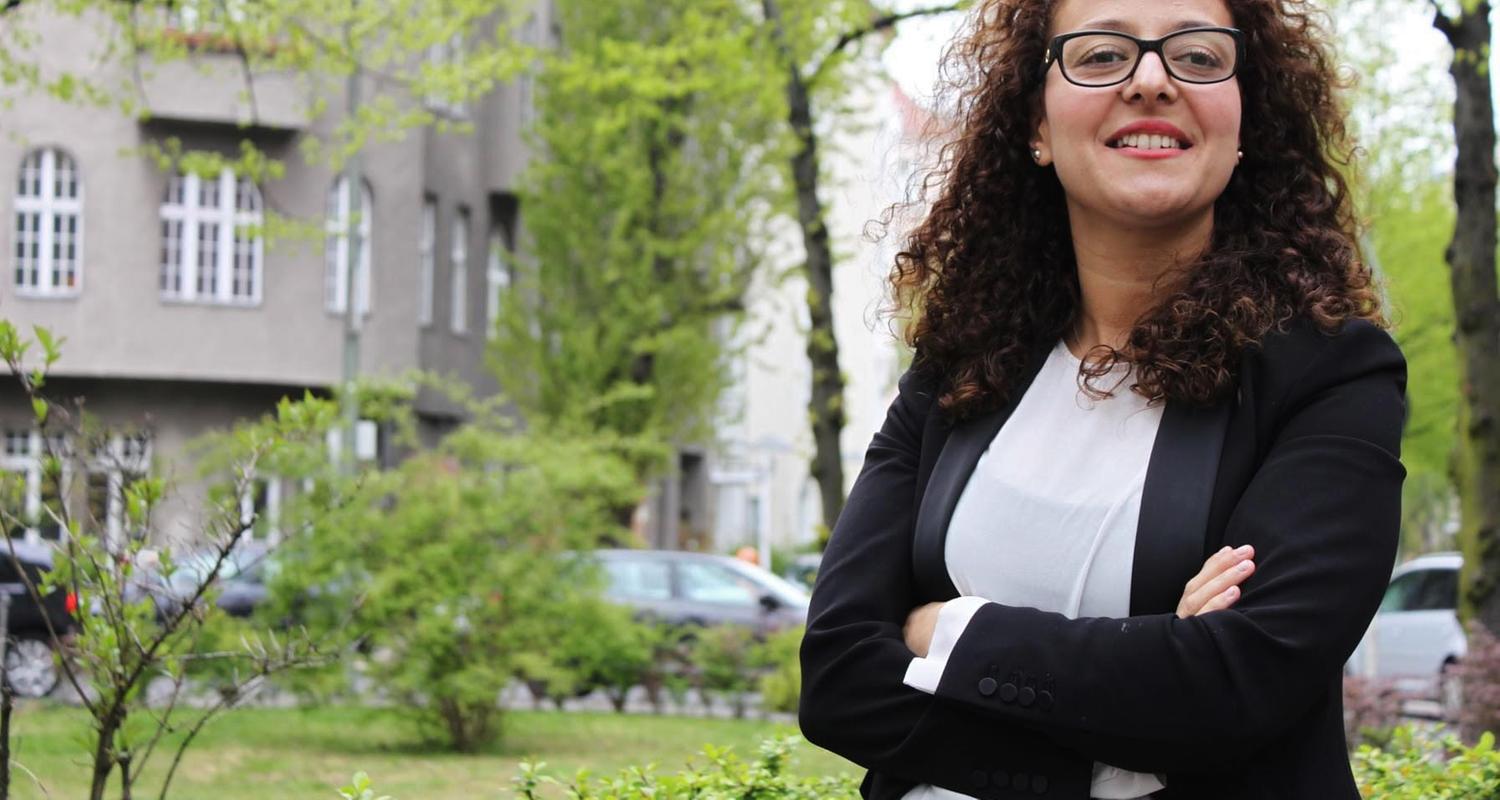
(1150, 82)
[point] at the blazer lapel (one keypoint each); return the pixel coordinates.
(1173, 524)
(950, 474)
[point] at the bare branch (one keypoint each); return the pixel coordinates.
(1444, 23)
(880, 23)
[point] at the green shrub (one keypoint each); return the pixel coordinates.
(781, 683)
(1411, 768)
(724, 777)
(724, 656)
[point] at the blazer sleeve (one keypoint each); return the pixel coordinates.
(854, 656)
(1162, 694)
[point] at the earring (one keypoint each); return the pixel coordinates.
(1239, 155)
(1036, 154)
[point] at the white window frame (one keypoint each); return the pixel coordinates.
(29, 463)
(234, 255)
(427, 255)
(458, 275)
(496, 281)
(272, 515)
(336, 250)
(117, 463)
(54, 265)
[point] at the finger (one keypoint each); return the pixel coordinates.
(1226, 558)
(1220, 601)
(1233, 576)
(1209, 569)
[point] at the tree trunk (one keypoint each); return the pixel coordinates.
(827, 405)
(1476, 305)
(104, 757)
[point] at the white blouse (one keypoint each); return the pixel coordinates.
(1047, 521)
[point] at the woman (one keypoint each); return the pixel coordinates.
(1143, 335)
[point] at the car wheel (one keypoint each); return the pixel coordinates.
(30, 668)
(1450, 691)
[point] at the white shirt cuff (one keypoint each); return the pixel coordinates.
(926, 673)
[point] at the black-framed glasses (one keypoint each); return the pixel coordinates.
(1106, 58)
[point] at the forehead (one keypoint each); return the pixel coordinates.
(1139, 17)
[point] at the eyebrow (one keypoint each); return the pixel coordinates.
(1128, 27)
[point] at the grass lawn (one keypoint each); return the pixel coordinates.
(292, 754)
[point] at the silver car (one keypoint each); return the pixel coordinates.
(1415, 639)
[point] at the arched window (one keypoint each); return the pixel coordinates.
(48, 245)
(336, 254)
(211, 245)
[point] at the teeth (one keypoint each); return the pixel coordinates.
(1148, 141)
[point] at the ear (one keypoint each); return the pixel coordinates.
(1042, 141)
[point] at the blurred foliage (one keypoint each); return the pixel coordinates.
(1413, 767)
(451, 569)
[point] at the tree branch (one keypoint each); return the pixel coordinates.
(1444, 23)
(880, 23)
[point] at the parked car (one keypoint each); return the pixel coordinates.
(29, 663)
(1415, 639)
(698, 589)
(241, 579)
(803, 570)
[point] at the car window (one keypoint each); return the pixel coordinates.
(1439, 592)
(711, 583)
(636, 579)
(1402, 591)
(1422, 590)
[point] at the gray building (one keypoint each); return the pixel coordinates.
(179, 318)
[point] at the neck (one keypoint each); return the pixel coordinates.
(1124, 271)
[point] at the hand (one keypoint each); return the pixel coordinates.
(1217, 585)
(920, 624)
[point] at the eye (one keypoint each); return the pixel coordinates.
(1103, 54)
(1198, 57)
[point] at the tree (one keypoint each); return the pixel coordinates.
(125, 637)
(815, 42)
(646, 213)
(1476, 306)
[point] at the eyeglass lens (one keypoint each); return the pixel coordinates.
(1101, 59)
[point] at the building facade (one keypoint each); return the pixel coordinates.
(180, 314)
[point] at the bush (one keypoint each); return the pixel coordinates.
(781, 683)
(1479, 674)
(451, 569)
(724, 657)
(1413, 769)
(725, 777)
(1372, 709)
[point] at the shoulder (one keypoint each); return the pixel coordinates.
(1350, 380)
(1301, 355)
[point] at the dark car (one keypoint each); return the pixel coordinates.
(30, 666)
(697, 589)
(241, 579)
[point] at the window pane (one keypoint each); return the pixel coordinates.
(638, 580)
(711, 583)
(1400, 595)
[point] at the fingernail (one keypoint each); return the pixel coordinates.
(1243, 550)
(1245, 566)
(1232, 591)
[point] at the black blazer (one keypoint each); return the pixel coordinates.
(1242, 703)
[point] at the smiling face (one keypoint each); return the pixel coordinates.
(1152, 151)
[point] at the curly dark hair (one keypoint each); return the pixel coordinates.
(988, 276)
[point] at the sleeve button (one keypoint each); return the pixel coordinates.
(1001, 779)
(1007, 692)
(1027, 696)
(1019, 781)
(1044, 700)
(980, 779)
(987, 686)
(1039, 784)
